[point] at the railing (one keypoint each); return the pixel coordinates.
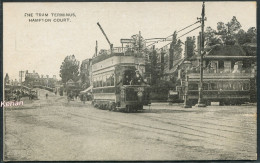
(223, 72)
(124, 50)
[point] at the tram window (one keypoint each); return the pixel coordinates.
(108, 80)
(221, 66)
(226, 86)
(193, 86)
(128, 76)
(104, 81)
(127, 80)
(205, 86)
(100, 81)
(213, 86)
(97, 82)
(220, 85)
(112, 79)
(94, 82)
(237, 86)
(245, 86)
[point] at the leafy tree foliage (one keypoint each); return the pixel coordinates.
(190, 46)
(154, 67)
(229, 34)
(69, 69)
(84, 76)
(246, 37)
(176, 47)
(138, 43)
(211, 37)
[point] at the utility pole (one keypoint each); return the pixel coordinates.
(201, 52)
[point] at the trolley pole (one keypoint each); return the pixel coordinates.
(201, 52)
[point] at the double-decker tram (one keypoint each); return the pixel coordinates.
(118, 82)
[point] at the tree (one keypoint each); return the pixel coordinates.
(154, 67)
(251, 34)
(175, 50)
(190, 47)
(211, 38)
(233, 26)
(241, 37)
(84, 75)
(138, 42)
(69, 69)
(229, 34)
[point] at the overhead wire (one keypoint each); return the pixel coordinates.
(182, 35)
(163, 39)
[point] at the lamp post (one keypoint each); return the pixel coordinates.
(201, 52)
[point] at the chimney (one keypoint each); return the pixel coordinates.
(47, 76)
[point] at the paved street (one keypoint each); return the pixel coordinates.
(53, 129)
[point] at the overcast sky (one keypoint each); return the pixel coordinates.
(43, 46)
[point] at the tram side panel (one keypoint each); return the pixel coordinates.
(225, 91)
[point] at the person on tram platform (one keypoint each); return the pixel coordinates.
(127, 80)
(137, 79)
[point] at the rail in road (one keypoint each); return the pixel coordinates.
(82, 132)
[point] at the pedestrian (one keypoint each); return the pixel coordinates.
(46, 95)
(83, 98)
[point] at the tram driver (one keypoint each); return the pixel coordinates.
(137, 79)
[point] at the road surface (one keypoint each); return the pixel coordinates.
(53, 129)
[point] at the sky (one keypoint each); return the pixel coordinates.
(42, 46)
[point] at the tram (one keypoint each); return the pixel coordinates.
(227, 89)
(113, 82)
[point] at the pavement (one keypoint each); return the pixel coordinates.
(54, 130)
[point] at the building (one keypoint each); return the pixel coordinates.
(229, 75)
(33, 79)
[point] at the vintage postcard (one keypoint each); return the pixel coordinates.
(129, 81)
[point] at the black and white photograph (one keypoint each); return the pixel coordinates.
(129, 81)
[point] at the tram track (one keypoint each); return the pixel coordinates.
(163, 130)
(200, 127)
(198, 122)
(204, 122)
